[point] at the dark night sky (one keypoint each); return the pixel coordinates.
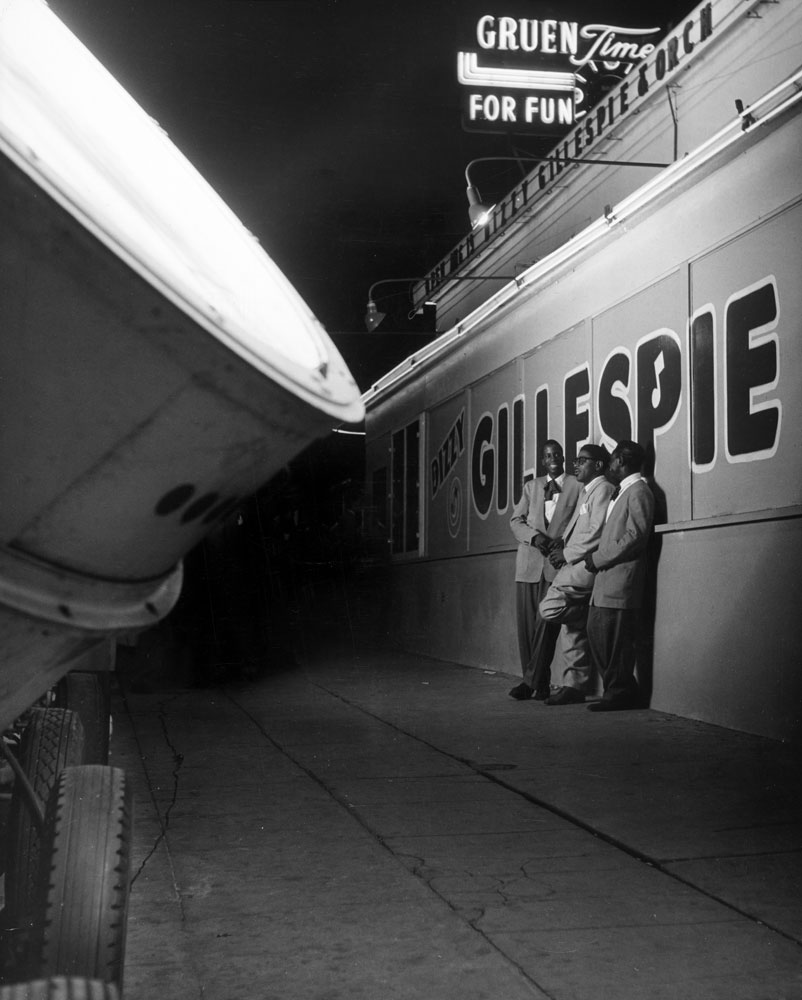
(331, 127)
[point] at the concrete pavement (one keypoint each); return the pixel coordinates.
(373, 825)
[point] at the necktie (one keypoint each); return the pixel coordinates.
(614, 494)
(551, 489)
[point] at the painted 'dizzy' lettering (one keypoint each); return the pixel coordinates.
(447, 454)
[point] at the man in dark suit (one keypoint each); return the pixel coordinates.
(619, 565)
(539, 518)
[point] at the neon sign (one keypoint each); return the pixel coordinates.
(655, 72)
(506, 88)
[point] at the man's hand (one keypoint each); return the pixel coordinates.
(556, 557)
(589, 564)
(541, 543)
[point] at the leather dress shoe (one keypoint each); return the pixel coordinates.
(565, 696)
(541, 694)
(521, 692)
(611, 705)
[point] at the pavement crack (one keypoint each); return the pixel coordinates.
(163, 819)
(779, 852)
(617, 843)
(474, 915)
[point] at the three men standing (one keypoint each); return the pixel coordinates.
(596, 551)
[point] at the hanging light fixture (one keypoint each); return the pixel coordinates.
(480, 213)
(373, 317)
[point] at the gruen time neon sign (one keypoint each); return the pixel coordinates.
(532, 73)
(656, 71)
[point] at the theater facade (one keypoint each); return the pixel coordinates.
(661, 304)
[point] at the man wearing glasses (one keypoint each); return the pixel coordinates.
(568, 597)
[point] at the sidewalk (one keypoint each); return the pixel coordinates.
(371, 825)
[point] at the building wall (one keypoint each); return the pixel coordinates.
(461, 610)
(727, 628)
(681, 327)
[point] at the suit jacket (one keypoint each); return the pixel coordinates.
(621, 555)
(529, 517)
(582, 535)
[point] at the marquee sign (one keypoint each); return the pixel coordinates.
(656, 71)
(532, 75)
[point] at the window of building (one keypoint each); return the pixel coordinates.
(405, 497)
(378, 531)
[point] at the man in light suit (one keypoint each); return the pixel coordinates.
(619, 565)
(539, 518)
(567, 598)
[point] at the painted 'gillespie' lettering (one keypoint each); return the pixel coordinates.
(483, 465)
(640, 397)
(752, 365)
